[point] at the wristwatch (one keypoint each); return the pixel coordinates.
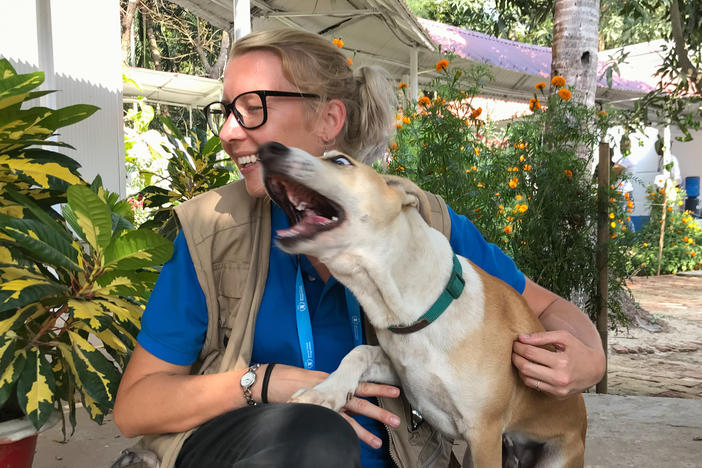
(247, 381)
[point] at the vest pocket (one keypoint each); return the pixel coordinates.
(230, 281)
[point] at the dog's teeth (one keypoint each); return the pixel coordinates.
(301, 206)
(334, 218)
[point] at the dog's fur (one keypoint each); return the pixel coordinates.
(457, 371)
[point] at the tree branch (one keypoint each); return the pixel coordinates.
(686, 65)
(127, 21)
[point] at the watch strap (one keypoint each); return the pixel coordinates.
(247, 389)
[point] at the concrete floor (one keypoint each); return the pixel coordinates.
(623, 431)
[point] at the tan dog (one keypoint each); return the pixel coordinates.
(370, 231)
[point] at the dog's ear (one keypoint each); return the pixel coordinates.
(413, 195)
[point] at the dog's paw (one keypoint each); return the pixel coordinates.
(315, 397)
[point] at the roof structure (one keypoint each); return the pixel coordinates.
(386, 33)
(170, 88)
(517, 67)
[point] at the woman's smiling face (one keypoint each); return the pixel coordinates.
(288, 119)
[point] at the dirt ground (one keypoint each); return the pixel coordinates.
(660, 354)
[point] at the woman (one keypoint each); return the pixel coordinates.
(223, 310)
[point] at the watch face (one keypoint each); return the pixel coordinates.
(248, 379)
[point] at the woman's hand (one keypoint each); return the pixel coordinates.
(286, 380)
(570, 368)
(358, 405)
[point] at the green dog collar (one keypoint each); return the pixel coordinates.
(452, 291)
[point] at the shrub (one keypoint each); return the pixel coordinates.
(525, 187)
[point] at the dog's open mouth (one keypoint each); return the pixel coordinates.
(308, 211)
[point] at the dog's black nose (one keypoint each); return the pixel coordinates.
(272, 149)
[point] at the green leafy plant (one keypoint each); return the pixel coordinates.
(72, 281)
(525, 186)
(682, 237)
(194, 167)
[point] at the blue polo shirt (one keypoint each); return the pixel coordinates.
(175, 320)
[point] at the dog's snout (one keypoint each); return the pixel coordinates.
(272, 149)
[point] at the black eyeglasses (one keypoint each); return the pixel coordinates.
(249, 109)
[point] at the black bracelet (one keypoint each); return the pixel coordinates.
(264, 385)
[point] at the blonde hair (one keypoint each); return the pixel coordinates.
(315, 65)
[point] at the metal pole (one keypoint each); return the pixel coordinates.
(414, 82)
(242, 18)
(602, 254)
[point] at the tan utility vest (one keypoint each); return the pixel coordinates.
(228, 234)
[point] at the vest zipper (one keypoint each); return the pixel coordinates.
(387, 429)
(392, 455)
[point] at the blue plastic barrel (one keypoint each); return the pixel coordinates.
(692, 186)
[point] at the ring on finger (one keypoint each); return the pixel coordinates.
(538, 382)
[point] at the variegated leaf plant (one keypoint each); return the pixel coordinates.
(73, 280)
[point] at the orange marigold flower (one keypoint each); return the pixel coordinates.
(476, 113)
(568, 173)
(406, 120)
(565, 94)
(540, 85)
(400, 168)
(473, 168)
(402, 85)
(630, 204)
(350, 62)
(558, 81)
(338, 42)
(613, 224)
(602, 114)
(476, 151)
(424, 101)
(442, 65)
(534, 104)
(611, 215)
(513, 183)
(393, 146)
(527, 167)
(508, 229)
(521, 158)
(518, 197)
(522, 208)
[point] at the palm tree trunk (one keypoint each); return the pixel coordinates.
(574, 51)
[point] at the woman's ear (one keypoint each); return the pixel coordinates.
(332, 119)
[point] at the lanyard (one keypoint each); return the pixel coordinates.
(304, 326)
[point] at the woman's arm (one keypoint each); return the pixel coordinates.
(579, 360)
(156, 397)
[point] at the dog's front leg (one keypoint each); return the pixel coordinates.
(485, 442)
(363, 364)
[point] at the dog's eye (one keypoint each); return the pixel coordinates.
(341, 161)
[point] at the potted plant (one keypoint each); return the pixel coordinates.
(73, 280)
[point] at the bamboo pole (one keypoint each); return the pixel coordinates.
(602, 254)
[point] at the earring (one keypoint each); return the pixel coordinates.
(326, 144)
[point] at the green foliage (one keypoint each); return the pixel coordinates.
(194, 167)
(682, 241)
(71, 282)
(491, 17)
(524, 187)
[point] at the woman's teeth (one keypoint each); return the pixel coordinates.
(246, 160)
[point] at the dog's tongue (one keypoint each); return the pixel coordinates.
(306, 226)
